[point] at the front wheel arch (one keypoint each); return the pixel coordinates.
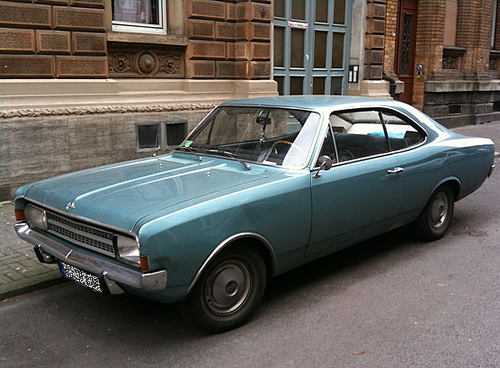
(228, 291)
(252, 240)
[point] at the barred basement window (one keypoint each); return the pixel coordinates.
(454, 109)
(160, 136)
(142, 16)
(175, 133)
(148, 137)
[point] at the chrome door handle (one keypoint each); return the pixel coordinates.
(397, 170)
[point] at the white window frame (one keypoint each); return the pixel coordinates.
(160, 29)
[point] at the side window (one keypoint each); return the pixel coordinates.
(401, 133)
(358, 134)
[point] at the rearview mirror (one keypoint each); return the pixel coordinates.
(263, 120)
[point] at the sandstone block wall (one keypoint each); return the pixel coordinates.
(53, 39)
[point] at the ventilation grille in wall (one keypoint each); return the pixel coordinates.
(159, 136)
(455, 109)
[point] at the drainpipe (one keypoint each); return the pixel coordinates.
(392, 88)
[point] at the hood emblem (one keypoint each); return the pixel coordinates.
(70, 206)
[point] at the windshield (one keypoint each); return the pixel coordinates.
(271, 136)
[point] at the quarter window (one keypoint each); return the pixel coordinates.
(144, 16)
(401, 134)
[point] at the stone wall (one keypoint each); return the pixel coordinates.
(461, 102)
(36, 148)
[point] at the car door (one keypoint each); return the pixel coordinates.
(361, 194)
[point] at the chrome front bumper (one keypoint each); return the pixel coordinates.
(109, 272)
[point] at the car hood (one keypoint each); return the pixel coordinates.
(120, 195)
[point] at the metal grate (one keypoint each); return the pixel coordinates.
(454, 109)
(81, 234)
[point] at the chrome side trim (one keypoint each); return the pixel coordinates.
(151, 281)
(226, 242)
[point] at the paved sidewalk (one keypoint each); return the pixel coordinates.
(21, 272)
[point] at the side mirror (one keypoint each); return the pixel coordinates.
(325, 163)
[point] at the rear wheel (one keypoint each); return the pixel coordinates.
(228, 292)
(435, 219)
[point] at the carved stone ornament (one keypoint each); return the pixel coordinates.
(450, 62)
(120, 109)
(120, 63)
(151, 62)
(146, 63)
(171, 65)
(494, 58)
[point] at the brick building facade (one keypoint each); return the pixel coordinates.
(452, 57)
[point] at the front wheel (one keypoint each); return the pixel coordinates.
(435, 219)
(228, 292)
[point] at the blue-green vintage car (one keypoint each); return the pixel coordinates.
(259, 187)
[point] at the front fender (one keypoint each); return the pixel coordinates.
(185, 239)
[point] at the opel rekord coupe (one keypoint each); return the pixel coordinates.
(259, 187)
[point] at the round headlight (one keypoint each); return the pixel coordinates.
(36, 217)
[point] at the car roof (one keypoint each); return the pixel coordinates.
(313, 101)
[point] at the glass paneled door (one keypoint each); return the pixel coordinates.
(311, 46)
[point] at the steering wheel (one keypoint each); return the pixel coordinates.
(281, 142)
(286, 143)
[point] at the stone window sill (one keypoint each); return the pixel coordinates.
(172, 40)
(454, 51)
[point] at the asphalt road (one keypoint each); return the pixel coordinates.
(393, 301)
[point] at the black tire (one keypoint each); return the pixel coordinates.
(435, 219)
(228, 292)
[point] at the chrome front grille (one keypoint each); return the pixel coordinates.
(81, 234)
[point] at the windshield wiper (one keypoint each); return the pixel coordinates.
(192, 150)
(230, 155)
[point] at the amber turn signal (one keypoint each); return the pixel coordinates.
(144, 263)
(20, 215)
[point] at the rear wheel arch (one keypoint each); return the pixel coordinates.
(455, 188)
(452, 183)
(435, 219)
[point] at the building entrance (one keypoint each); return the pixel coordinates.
(311, 46)
(405, 43)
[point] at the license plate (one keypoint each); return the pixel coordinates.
(80, 277)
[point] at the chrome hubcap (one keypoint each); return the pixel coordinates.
(228, 287)
(439, 210)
